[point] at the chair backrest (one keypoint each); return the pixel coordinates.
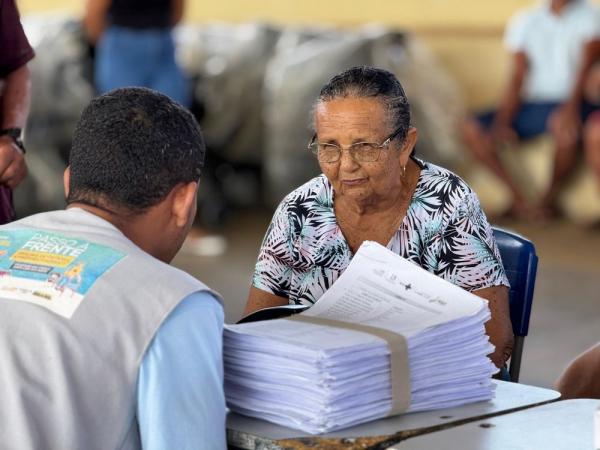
(520, 263)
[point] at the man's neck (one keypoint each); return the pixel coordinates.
(140, 228)
(106, 214)
(127, 223)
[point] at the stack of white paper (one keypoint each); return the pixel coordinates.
(319, 378)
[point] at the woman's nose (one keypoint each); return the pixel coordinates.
(347, 160)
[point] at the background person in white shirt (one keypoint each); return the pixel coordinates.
(553, 46)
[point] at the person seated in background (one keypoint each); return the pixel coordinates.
(374, 188)
(103, 344)
(581, 379)
(553, 46)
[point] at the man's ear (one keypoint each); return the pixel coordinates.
(183, 207)
(66, 180)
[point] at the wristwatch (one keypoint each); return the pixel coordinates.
(15, 135)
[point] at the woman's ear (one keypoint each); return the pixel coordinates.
(408, 145)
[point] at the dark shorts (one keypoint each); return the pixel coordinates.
(532, 118)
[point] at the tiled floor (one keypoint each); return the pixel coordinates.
(566, 311)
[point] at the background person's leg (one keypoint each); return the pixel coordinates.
(121, 60)
(591, 143)
(567, 145)
(482, 147)
(168, 77)
(565, 156)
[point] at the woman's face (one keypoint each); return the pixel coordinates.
(346, 121)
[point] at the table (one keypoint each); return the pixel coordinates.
(564, 425)
(252, 434)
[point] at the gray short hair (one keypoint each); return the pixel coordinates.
(364, 81)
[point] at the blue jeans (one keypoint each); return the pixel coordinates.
(129, 57)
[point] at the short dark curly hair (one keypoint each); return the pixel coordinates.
(130, 147)
(365, 81)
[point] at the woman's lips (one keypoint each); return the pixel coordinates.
(354, 182)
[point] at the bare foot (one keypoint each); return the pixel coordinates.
(517, 210)
(521, 211)
(545, 212)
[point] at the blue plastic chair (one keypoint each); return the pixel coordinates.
(520, 264)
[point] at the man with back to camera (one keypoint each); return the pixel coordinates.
(103, 344)
(553, 46)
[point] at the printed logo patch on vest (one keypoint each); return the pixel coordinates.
(51, 270)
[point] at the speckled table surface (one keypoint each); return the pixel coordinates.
(252, 434)
(564, 425)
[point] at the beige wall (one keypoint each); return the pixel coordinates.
(405, 13)
(465, 35)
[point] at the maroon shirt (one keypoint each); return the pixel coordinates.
(15, 51)
(14, 47)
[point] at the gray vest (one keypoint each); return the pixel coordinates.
(71, 383)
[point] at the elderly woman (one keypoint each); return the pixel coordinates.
(373, 188)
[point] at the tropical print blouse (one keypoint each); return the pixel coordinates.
(444, 231)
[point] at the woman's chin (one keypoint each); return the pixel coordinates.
(356, 192)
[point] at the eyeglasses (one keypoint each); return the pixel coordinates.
(360, 151)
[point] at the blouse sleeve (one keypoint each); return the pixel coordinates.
(273, 270)
(469, 256)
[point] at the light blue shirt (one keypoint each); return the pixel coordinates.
(181, 404)
(554, 45)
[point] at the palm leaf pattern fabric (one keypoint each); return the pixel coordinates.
(444, 231)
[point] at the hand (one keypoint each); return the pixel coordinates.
(12, 163)
(503, 134)
(565, 125)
